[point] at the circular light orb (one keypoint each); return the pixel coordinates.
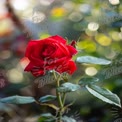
(114, 2)
(120, 35)
(93, 26)
(91, 71)
(115, 36)
(121, 29)
(20, 4)
(3, 9)
(68, 5)
(85, 8)
(46, 2)
(75, 16)
(6, 26)
(5, 54)
(90, 33)
(38, 17)
(15, 76)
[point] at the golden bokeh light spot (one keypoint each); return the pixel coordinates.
(103, 40)
(58, 12)
(87, 45)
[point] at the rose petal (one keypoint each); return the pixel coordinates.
(72, 67)
(29, 67)
(72, 50)
(24, 62)
(58, 38)
(62, 51)
(73, 43)
(38, 72)
(29, 48)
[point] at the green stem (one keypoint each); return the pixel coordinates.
(59, 96)
(60, 102)
(63, 98)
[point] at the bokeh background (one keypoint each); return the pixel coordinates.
(96, 25)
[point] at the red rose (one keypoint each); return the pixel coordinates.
(50, 54)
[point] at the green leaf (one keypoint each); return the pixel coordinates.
(47, 98)
(88, 80)
(68, 87)
(92, 60)
(68, 119)
(47, 117)
(17, 100)
(4, 107)
(104, 94)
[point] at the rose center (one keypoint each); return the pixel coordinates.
(48, 50)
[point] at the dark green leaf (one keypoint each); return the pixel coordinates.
(68, 87)
(88, 80)
(92, 60)
(47, 117)
(104, 94)
(47, 98)
(68, 119)
(17, 100)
